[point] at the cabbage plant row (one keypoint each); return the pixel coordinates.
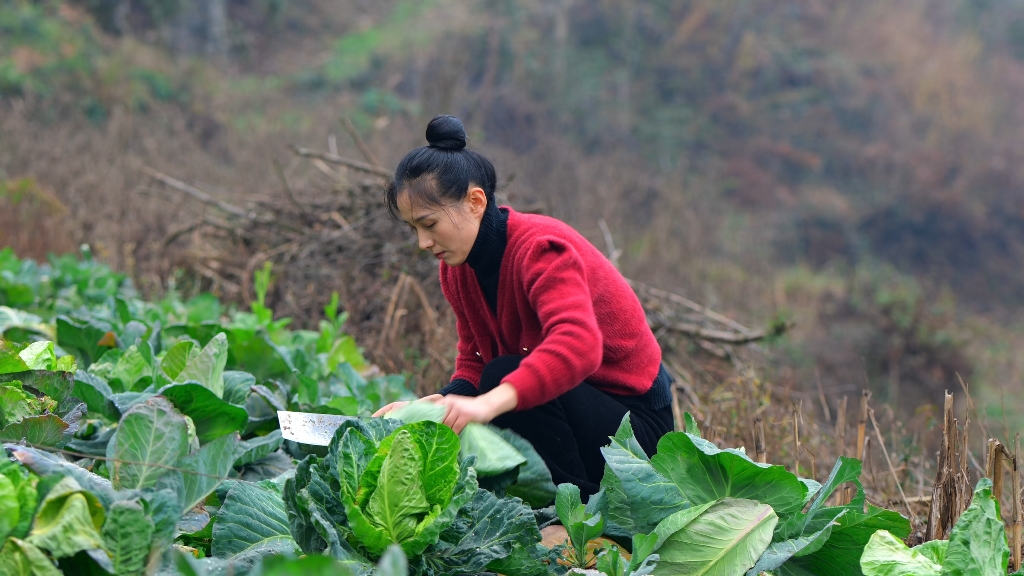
(143, 439)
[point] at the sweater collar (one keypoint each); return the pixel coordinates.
(489, 247)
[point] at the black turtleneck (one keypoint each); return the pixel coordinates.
(488, 250)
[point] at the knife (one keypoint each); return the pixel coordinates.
(308, 428)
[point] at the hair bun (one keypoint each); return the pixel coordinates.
(447, 133)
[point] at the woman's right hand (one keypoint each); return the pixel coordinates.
(435, 398)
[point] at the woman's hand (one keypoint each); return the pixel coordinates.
(461, 410)
(396, 405)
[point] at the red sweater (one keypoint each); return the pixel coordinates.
(563, 306)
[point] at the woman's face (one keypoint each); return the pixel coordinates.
(448, 232)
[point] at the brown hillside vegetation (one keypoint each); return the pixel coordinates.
(854, 167)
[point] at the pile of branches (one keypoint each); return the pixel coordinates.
(324, 228)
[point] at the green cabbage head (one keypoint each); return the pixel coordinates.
(408, 491)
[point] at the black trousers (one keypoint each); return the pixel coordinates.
(569, 431)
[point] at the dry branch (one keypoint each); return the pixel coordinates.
(885, 452)
(358, 140)
(197, 193)
(288, 187)
(342, 161)
(723, 335)
(686, 302)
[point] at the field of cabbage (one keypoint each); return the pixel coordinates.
(141, 437)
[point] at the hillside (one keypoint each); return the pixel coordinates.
(853, 167)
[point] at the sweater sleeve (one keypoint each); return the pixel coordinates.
(571, 341)
(459, 387)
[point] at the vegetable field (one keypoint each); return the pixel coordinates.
(141, 437)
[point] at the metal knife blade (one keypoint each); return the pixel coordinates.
(308, 428)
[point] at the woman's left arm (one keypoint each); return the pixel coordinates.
(571, 345)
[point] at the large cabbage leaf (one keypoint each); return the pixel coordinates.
(727, 538)
(977, 543)
(127, 535)
(492, 533)
(252, 523)
(886, 555)
(705, 473)
(494, 455)
(639, 497)
(150, 439)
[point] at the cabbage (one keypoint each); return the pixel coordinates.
(494, 455)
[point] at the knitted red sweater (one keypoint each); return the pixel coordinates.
(563, 306)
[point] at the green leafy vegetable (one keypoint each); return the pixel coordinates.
(398, 502)
(583, 523)
(207, 367)
(639, 497)
(177, 357)
(20, 558)
(728, 538)
(212, 416)
(705, 473)
(258, 448)
(393, 562)
(383, 483)
(68, 521)
(493, 454)
(977, 543)
(418, 411)
(885, 555)
(10, 508)
(127, 534)
(198, 474)
(45, 430)
(252, 523)
(150, 439)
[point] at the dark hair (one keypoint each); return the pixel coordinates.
(441, 172)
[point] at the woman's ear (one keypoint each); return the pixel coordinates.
(477, 199)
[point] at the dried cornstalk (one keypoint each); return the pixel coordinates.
(1015, 535)
(759, 448)
(862, 423)
(841, 427)
(994, 467)
(942, 496)
(840, 497)
(796, 440)
(868, 465)
(962, 491)
(860, 449)
(814, 461)
(821, 397)
(677, 410)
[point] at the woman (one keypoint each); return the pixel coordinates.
(553, 343)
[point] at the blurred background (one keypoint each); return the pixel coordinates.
(853, 168)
